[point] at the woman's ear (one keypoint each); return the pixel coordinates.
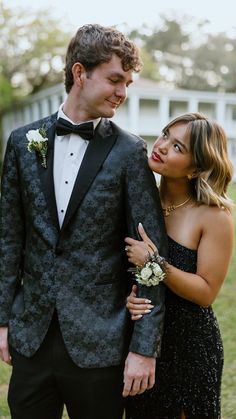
(193, 175)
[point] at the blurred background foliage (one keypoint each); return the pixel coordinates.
(175, 53)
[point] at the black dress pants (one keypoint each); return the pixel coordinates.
(40, 386)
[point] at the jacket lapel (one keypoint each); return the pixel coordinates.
(46, 176)
(96, 153)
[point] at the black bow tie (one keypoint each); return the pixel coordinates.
(85, 130)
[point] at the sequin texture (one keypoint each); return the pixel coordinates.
(188, 374)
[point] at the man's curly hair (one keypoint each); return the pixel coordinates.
(94, 44)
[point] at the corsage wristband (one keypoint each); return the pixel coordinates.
(160, 260)
(152, 272)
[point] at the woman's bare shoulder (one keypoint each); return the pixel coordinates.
(215, 217)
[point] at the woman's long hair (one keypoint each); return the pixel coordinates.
(208, 146)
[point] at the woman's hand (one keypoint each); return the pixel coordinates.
(139, 251)
(146, 239)
(137, 306)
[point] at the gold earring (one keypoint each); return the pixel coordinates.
(189, 176)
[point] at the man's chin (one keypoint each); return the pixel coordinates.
(109, 114)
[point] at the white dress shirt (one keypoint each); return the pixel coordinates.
(69, 151)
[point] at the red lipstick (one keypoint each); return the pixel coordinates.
(156, 157)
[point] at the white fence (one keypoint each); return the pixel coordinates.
(147, 109)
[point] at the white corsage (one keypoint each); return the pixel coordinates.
(38, 141)
(150, 274)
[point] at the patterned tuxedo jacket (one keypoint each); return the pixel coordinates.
(80, 269)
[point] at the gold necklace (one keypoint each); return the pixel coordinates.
(170, 208)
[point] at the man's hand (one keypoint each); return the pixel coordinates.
(4, 351)
(139, 374)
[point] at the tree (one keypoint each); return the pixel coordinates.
(188, 59)
(31, 53)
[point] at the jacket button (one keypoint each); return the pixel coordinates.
(58, 251)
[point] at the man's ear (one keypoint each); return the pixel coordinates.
(78, 71)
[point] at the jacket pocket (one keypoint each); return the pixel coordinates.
(107, 186)
(107, 279)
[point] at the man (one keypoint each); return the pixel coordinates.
(68, 201)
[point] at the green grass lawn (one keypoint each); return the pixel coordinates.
(226, 313)
(225, 310)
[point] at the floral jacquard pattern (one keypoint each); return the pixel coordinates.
(81, 270)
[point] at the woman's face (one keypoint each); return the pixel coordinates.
(171, 156)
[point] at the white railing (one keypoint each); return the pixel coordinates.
(147, 109)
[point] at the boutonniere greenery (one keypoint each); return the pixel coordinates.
(38, 141)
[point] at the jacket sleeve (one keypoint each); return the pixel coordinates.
(11, 232)
(143, 205)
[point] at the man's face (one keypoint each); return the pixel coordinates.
(104, 89)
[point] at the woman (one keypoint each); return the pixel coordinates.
(191, 157)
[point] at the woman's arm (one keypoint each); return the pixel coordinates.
(213, 258)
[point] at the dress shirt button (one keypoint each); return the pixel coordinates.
(58, 251)
(71, 154)
(66, 181)
(62, 211)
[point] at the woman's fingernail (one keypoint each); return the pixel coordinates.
(150, 306)
(139, 316)
(147, 311)
(148, 301)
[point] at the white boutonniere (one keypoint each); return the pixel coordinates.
(38, 141)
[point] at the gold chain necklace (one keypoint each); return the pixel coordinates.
(170, 208)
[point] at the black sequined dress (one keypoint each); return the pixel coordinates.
(188, 374)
